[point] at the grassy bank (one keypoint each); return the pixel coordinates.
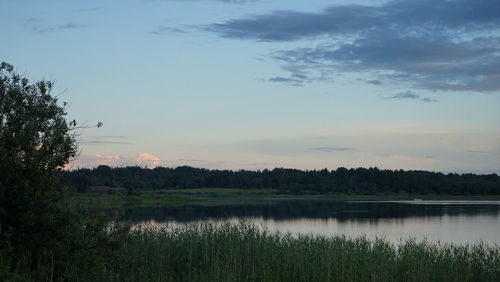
(221, 196)
(128, 201)
(245, 253)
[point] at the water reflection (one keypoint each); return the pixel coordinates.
(457, 221)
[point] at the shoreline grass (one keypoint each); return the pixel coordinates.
(243, 252)
(128, 201)
(222, 196)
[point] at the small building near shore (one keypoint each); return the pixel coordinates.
(106, 190)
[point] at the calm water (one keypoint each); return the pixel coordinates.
(445, 221)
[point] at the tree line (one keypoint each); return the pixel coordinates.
(294, 181)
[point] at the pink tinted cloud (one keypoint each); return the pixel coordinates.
(113, 160)
(147, 159)
(96, 160)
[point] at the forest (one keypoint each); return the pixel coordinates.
(286, 181)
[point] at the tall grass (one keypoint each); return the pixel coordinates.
(243, 252)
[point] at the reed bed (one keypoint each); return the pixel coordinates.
(244, 252)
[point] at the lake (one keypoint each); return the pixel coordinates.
(445, 221)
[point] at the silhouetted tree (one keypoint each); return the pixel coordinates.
(36, 141)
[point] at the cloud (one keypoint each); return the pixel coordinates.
(425, 44)
(109, 136)
(236, 1)
(375, 82)
(285, 80)
(148, 160)
(70, 26)
(428, 149)
(113, 160)
(161, 30)
(96, 160)
(213, 164)
(477, 151)
(408, 95)
(32, 20)
(424, 63)
(405, 95)
(224, 1)
(428, 100)
(46, 29)
(91, 9)
(37, 25)
(191, 160)
(418, 15)
(98, 140)
(332, 149)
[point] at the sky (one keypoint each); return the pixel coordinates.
(255, 84)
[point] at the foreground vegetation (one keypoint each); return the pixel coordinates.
(38, 228)
(243, 252)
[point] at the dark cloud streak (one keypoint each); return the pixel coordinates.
(91, 9)
(405, 95)
(408, 95)
(36, 24)
(224, 1)
(161, 30)
(421, 16)
(109, 137)
(105, 139)
(285, 80)
(425, 44)
(99, 142)
(332, 149)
